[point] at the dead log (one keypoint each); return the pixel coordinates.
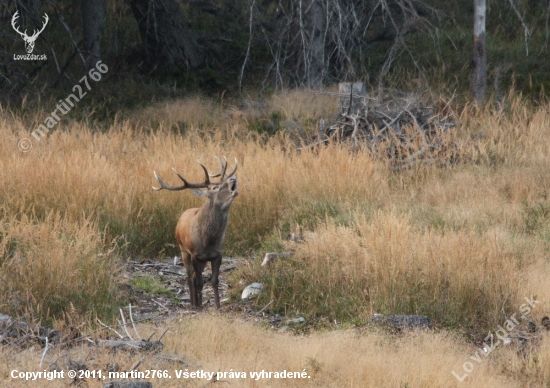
(131, 345)
(176, 360)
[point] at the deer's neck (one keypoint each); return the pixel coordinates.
(212, 222)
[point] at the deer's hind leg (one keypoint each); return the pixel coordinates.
(198, 268)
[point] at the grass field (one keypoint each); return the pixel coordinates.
(463, 245)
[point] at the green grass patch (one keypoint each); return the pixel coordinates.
(150, 285)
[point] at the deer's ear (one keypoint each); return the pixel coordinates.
(199, 193)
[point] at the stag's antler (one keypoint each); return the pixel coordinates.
(186, 185)
(224, 169)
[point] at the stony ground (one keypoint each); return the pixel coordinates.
(158, 290)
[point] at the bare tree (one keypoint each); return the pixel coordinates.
(479, 73)
(311, 32)
(167, 42)
(93, 21)
(315, 41)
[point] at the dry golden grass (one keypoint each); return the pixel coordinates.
(463, 245)
(53, 266)
(348, 358)
(382, 265)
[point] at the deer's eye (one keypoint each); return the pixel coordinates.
(215, 188)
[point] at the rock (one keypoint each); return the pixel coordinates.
(296, 320)
(251, 291)
(270, 257)
(283, 329)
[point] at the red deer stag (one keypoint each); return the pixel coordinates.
(200, 232)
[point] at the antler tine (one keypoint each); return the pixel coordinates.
(168, 187)
(234, 170)
(207, 177)
(220, 173)
(179, 175)
(223, 168)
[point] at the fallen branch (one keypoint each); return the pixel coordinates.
(177, 359)
(130, 345)
(110, 328)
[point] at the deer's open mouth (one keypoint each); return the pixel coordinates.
(233, 187)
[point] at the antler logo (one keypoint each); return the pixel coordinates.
(29, 40)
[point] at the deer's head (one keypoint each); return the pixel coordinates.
(221, 193)
(29, 40)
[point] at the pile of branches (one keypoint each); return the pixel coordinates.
(397, 126)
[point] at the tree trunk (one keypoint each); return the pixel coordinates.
(93, 20)
(352, 97)
(314, 26)
(167, 42)
(479, 74)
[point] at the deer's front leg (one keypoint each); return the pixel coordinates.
(192, 287)
(188, 262)
(216, 263)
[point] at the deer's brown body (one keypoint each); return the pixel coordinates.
(200, 232)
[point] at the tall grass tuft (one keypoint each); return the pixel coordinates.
(383, 265)
(50, 267)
